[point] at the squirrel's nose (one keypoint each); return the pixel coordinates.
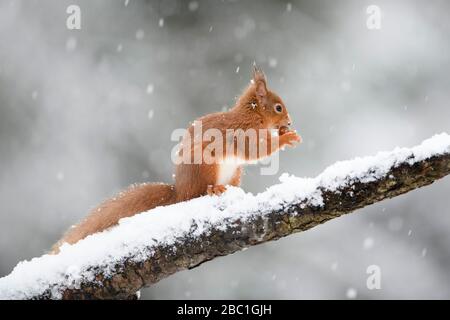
(289, 121)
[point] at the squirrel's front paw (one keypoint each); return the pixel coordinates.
(289, 138)
(216, 190)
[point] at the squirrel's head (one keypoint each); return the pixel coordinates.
(265, 103)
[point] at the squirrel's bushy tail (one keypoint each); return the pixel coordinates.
(136, 199)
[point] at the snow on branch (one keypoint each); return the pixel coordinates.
(153, 245)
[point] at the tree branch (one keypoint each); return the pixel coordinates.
(149, 247)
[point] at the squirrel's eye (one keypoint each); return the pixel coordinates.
(278, 108)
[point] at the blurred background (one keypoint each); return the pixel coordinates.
(84, 113)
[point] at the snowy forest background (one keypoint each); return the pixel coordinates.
(84, 113)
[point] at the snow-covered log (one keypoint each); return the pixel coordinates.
(151, 246)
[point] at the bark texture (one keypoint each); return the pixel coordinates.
(129, 277)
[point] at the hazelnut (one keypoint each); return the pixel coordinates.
(283, 130)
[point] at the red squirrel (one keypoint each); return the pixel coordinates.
(257, 108)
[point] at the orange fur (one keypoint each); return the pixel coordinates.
(136, 199)
(255, 109)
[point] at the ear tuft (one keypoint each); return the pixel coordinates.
(259, 79)
(258, 74)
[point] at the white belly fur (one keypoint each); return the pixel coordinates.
(227, 169)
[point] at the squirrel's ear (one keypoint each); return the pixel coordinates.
(259, 79)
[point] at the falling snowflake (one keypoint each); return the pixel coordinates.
(273, 62)
(334, 266)
(346, 86)
(60, 176)
(424, 252)
(150, 88)
(71, 44)
(140, 34)
(351, 293)
(368, 243)
(193, 6)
